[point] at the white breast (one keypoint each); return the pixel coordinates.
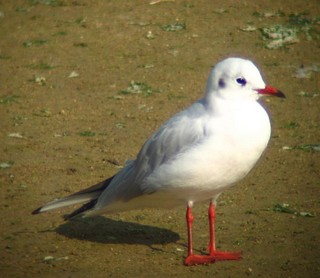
(233, 144)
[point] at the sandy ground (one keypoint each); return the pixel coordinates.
(65, 125)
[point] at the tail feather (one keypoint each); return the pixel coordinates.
(83, 208)
(90, 195)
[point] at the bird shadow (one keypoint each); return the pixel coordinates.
(110, 231)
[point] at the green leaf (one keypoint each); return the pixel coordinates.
(87, 133)
(8, 99)
(36, 42)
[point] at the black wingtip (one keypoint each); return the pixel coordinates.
(80, 210)
(37, 211)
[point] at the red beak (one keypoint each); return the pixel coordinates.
(270, 91)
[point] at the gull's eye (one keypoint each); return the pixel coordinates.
(241, 81)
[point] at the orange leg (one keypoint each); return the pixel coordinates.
(214, 255)
(190, 219)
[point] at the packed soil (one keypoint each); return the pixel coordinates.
(84, 83)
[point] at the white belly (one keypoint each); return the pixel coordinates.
(225, 157)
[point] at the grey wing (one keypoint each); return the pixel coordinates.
(178, 134)
(173, 138)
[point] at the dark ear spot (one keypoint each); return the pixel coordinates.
(222, 84)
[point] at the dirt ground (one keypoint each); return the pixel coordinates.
(70, 118)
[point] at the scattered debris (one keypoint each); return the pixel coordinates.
(80, 44)
(138, 88)
(305, 147)
(278, 36)
(40, 66)
(146, 66)
(305, 72)
(63, 134)
(174, 52)
(73, 74)
(5, 57)
(249, 271)
(302, 73)
(269, 14)
(47, 2)
(41, 80)
(145, 108)
(150, 35)
(153, 2)
(285, 208)
(8, 99)
(305, 94)
(221, 11)
(81, 21)
(291, 125)
(248, 28)
(6, 164)
(87, 133)
(22, 10)
(49, 259)
(118, 97)
(282, 35)
(43, 113)
(300, 19)
(140, 23)
(36, 42)
(60, 33)
(120, 125)
(15, 135)
(112, 161)
(174, 27)
(305, 24)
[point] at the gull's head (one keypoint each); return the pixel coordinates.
(236, 78)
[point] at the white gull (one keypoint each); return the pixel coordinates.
(193, 157)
